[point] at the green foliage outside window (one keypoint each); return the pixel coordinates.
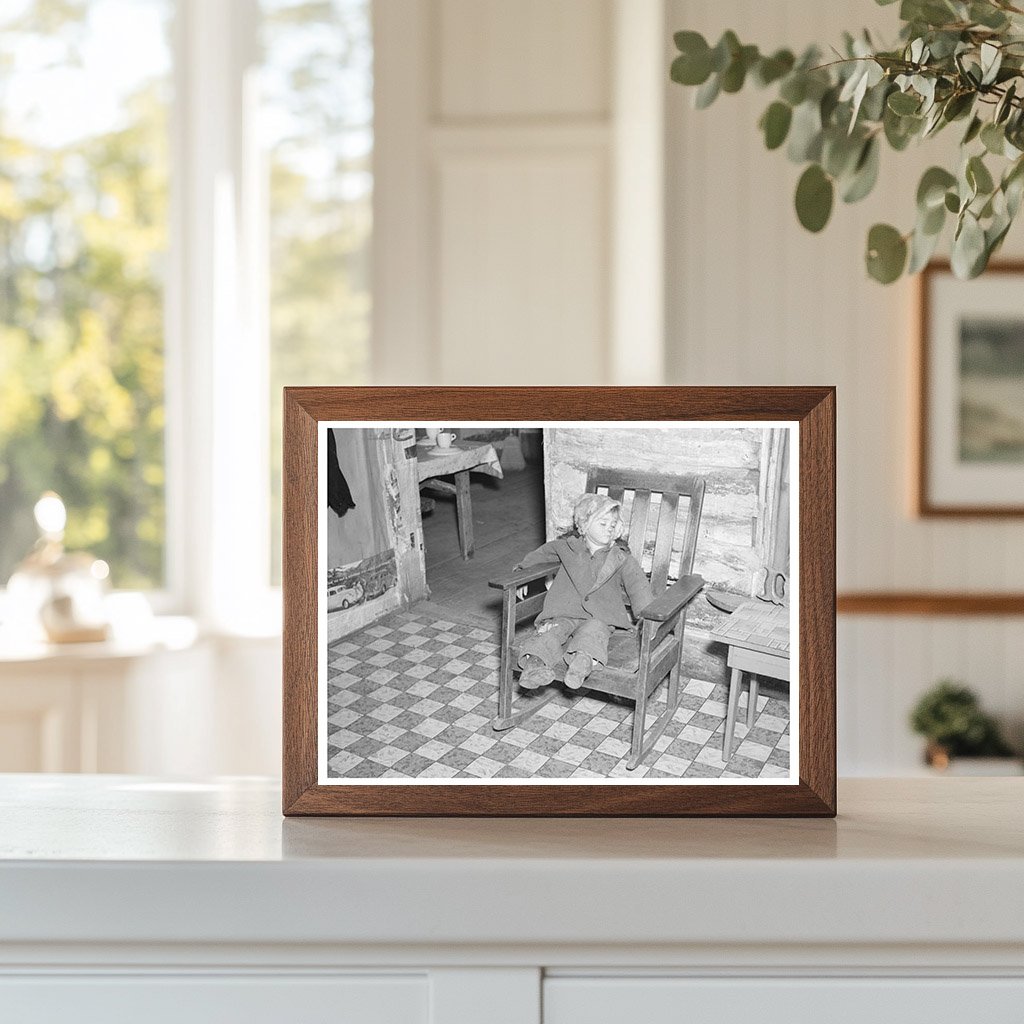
(82, 232)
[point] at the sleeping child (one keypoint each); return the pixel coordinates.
(586, 601)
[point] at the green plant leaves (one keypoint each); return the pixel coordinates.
(693, 65)
(887, 253)
(931, 191)
(922, 248)
(814, 195)
(775, 122)
(986, 15)
(978, 176)
(969, 255)
(805, 133)
(707, 93)
(956, 60)
(865, 173)
(771, 69)
(904, 103)
(993, 138)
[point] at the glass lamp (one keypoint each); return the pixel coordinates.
(55, 595)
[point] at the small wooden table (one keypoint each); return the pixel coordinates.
(757, 634)
(458, 461)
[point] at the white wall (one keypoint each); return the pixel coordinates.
(754, 299)
(506, 139)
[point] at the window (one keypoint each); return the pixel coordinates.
(83, 236)
(317, 117)
(185, 221)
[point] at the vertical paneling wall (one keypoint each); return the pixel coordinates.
(519, 141)
(754, 299)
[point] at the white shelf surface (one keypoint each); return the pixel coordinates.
(108, 859)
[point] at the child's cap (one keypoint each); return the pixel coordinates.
(590, 507)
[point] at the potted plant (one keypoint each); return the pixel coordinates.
(956, 62)
(950, 717)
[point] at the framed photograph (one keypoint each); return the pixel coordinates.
(970, 450)
(559, 601)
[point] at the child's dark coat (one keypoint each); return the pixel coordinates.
(577, 594)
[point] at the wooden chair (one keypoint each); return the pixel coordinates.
(662, 519)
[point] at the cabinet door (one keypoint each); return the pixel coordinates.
(205, 999)
(653, 1000)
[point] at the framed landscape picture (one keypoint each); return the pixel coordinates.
(575, 601)
(970, 451)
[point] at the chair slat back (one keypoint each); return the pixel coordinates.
(663, 515)
(664, 541)
(638, 520)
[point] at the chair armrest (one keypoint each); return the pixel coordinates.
(518, 577)
(680, 594)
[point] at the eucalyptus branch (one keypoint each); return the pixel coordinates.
(834, 116)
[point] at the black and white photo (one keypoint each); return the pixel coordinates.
(558, 602)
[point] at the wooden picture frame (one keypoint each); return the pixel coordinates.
(806, 413)
(960, 471)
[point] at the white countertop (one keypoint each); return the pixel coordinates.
(121, 859)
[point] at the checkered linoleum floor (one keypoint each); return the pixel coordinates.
(413, 697)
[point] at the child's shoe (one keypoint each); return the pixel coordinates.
(535, 674)
(580, 665)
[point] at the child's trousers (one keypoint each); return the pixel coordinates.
(563, 637)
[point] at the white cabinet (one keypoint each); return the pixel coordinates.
(202, 999)
(133, 898)
(824, 1000)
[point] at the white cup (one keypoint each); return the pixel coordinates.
(445, 439)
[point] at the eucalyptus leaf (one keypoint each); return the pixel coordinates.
(840, 152)
(900, 130)
(814, 195)
(827, 106)
(968, 247)
(1014, 191)
(958, 105)
(931, 190)
(904, 103)
(794, 88)
(865, 174)
(925, 87)
(771, 69)
(933, 122)
(987, 15)
(724, 51)
(775, 124)
(707, 93)
(922, 248)
(993, 138)
(805, 133)
(973, 129)
(886, 253)
(1013, 187)
(1005, 104)
(873, 106)
(978, 176)
(991, 60)
(735, 74)
(932, 221)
